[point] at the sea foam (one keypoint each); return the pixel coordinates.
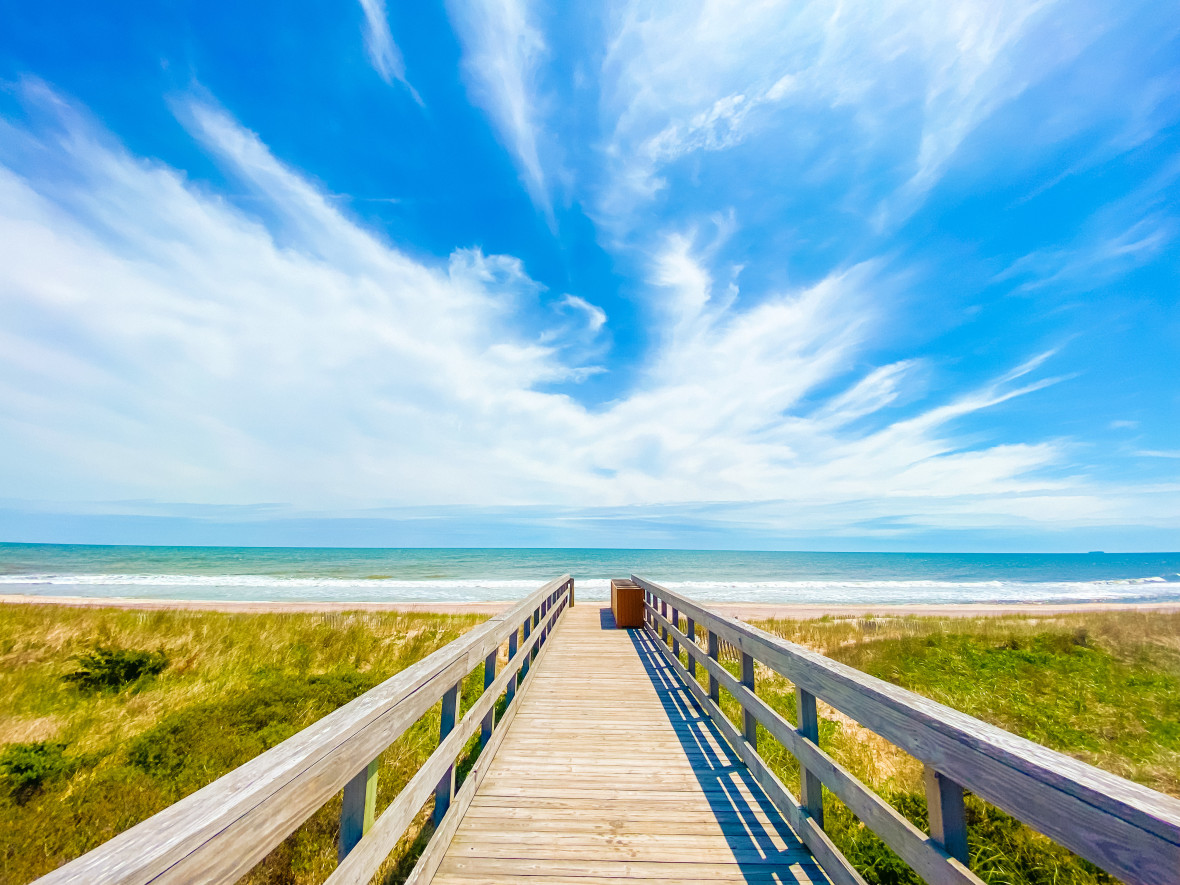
(383, 589)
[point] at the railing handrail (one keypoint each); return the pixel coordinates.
(222, 830)
(1130, 830)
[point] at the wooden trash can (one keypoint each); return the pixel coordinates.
(626, 601)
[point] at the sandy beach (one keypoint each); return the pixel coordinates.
(749, 611)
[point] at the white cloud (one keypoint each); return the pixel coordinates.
(503, 51)
(161, 343)
(595, 315)
(907, 80)
(875, 391)
(1095, 258)
(384, 54)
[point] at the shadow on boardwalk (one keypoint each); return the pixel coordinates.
(762, 842)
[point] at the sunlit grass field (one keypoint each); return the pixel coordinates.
(81, 764)
(1103, 687)
(108, 716)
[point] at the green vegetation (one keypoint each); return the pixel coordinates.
(113, 669)
(97, 733)
(26, 767)
(1103, 687)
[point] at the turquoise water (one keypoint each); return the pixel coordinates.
(463, 575)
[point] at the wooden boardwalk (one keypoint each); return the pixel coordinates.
(612, 763)
(610, 772)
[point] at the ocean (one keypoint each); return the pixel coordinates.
(470, 575)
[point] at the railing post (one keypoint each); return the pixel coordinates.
(357, 809)
(675, 641)
(446, 785)
(571, 592)
(664, 614)
(513, 645)
(524, 666)
(948, 819)
(811, 790)
(692, 634)
(749, 723)
(489, 676)
(714, 653)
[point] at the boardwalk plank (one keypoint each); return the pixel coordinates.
(609, 772)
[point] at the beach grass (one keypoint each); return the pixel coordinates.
(108, 716)
(84, 757)
(1103, 687)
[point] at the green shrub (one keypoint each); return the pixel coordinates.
(25, 767)
(196, 744)
(1107, 691)
(112, 669)
(253, 679)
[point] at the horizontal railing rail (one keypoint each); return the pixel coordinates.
(1130, 831)
(221, 831)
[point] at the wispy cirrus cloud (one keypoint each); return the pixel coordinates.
(907, 81)
(383, 52)
(1097, 258)
(593, 315)
(167, 343)
(1122, 235)
(503, 52)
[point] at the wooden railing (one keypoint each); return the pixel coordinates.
(220, 832)
(1130, 831)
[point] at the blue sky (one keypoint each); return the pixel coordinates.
(775, 275)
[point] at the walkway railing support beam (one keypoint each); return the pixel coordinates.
(446, 786)
(489, 676)
(948, 818)
(811, 789)
(357, 808)
(749, 723)
(513, 641)
(714, 653)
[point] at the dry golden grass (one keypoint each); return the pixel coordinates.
(1101, 686)
(222, 668)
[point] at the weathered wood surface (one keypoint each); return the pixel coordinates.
(427, 864)
(922, 852)
(606, 768)
(1131, 831)
(359, 866)
(626, 603)
(609, 772)
(218, 833)
(358, 808)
